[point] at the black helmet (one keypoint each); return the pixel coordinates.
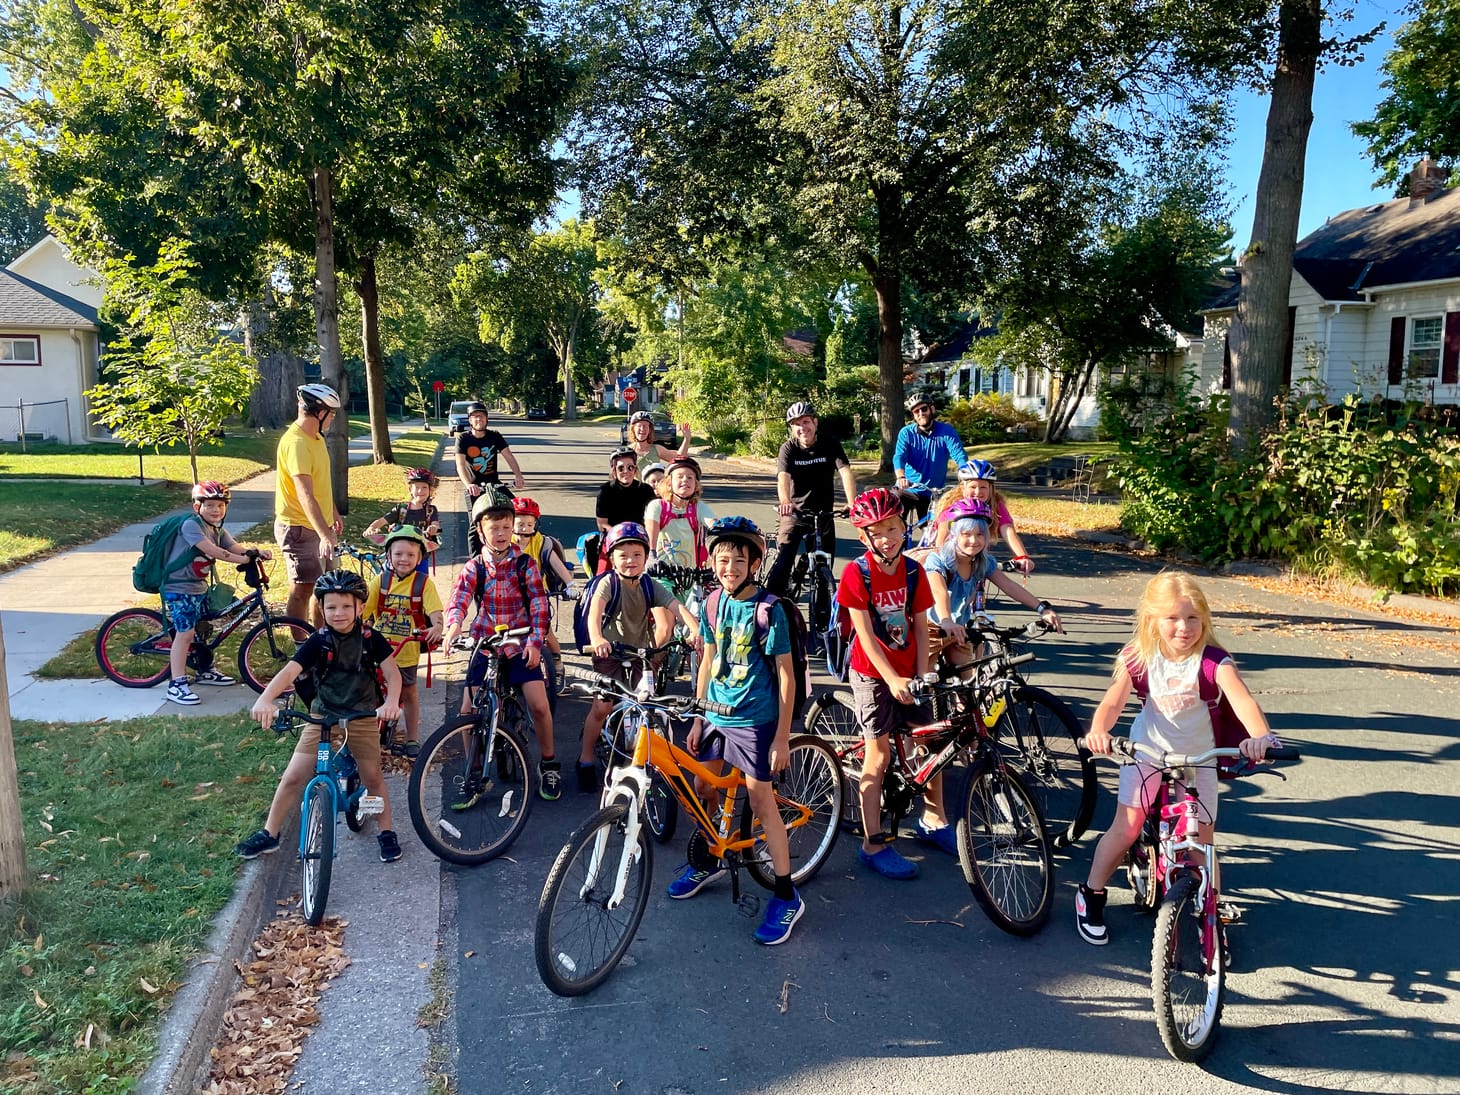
(799, 409)
(317, 397)
(476, 407)
(622, 454)
(494, 501)
(341, 581)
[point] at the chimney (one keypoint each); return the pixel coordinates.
(1425, 181)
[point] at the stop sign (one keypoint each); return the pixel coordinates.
(631, 394)
(437, 386)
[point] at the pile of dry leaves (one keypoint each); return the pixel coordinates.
(274, 1010)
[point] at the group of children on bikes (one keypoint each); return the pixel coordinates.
(904, 600)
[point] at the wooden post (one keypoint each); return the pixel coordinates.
(12, 832)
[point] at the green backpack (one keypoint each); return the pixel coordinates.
(156, 561)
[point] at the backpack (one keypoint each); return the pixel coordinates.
(520, 565)
(580, 609)
(795, 627)
(157, 561)
(691, 515)
(841, 634)
(306, 685)
(1227, 728)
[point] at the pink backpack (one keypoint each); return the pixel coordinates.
(1227, 728)
(702, 557)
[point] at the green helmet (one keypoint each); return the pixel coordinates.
(495, 501)
(406, 532)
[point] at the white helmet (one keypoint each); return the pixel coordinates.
(317, 396)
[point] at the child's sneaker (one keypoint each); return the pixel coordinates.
(889, 863)
(1090, 915)
(549, 780)
(389, 846)
(780, 918)
(179, 692)
(692, 881)
(257, 844)
(212, 676)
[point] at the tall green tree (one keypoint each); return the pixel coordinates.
(22, 222)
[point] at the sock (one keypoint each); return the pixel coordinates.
(784, 890)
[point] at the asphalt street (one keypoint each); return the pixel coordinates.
(1347, 975)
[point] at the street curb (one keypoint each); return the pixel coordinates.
(190, 1028)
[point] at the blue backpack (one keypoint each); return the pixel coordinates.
(580, 609)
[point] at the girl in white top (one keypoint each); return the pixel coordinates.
(677, 520)
(1173, 627)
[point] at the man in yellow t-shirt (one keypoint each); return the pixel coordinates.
(306, 526)
(390, 614)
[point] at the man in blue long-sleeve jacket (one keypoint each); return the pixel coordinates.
(924, 447)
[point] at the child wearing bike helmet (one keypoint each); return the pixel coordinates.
(201, 541)
(887, 596)
(646, 449)
(343, 657)
(416, 511)
(401, 600)
(976, 484)
(526, 516)
(1173, 632)
(749, 669)
(677, 520)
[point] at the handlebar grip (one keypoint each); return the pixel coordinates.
(1021, 659)
(712, 708)
(1284, 752)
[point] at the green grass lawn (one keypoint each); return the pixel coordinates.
(236, 457)
(129, 829)
(37, 519)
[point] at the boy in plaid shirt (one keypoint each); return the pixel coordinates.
(508, 590)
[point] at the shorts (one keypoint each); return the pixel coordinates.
(517, 672)
(364, 739)
(407, 676)
(747, 748)
(628, 675)
(878, 714)
(185, 609)
(300, 545)
(1139, 783)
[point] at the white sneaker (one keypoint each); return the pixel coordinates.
(212, 676)
(179, 692)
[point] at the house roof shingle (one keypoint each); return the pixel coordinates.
(27, 303)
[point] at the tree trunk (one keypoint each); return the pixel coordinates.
(369, 292)
(327, 333)
(12, 832)
(570, 391)
(1259, 333)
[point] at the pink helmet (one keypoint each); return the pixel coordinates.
(970, 508)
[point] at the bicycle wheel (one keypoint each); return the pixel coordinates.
(268, 647)
(661, 809)
(467, 807)
(353, 818)
(1004, 850)
(317, 851)
(1188, 975)
(813, 779)
(132, 647)
(831, 718)
(1038, 741)
(1140, 870)
(578, 939)
(819, 605)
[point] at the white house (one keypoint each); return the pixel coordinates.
(1374, 305)
(49, 345)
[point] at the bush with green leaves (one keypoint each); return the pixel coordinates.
(988, 418)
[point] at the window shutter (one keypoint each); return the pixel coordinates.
(1396, 350)
(1287, 370)
(1450, 355)
(1227, 362)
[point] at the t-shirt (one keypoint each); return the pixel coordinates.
(631, 623)
(924, 457)
(1174, 718)
(193, 575)
(965, 595)
(813, 471)
(481, 454)
(391, 614)
(406, 514)
(888, 601)
(300, 454)
(617, 504)
(740, 675)
(676, 545)
(346, 681)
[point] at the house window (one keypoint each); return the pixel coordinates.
(20, 350)
(1426, 334)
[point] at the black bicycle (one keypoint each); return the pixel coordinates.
(811, 575)
(133, 646)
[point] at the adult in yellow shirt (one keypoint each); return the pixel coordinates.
(306, 526)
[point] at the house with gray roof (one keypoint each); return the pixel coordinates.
(1374, 305)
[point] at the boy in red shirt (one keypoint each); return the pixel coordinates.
(887, 596)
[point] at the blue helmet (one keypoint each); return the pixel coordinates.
(740, 529)
(977, 469)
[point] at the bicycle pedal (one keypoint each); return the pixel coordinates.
(370, 805)
(1229, 913)
(748, 906)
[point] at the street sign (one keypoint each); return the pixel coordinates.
(438, 386)
(631, 394)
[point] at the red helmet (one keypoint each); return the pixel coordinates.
(875, 505)
(421, 475)
(523, 505)
(210, 489)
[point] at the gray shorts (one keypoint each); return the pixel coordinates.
(878, 713)
(300, 544)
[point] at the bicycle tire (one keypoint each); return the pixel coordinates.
(1004, 850)
(571, 911)
(1187, 986)
(316, 851)
(661, 809)
(813, 779)
(832, 718)
(267, 648)
(123, 631)
(466, 808)
(353, 817)
(819, 604)
(1039, 740)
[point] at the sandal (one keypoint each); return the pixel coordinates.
(410, 750)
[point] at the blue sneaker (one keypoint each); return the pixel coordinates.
(780, 918)
(941, 838)
(691, 882)
(889, 863)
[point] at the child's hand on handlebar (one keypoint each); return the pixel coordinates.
(1255, 749)
(954, 631)
(603, 649)
(263, 712)
(1098, 742)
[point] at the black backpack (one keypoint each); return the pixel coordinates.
(306, 685)
(795, 626)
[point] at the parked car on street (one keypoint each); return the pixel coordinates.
(666, 432)
(456, 417)
(537, 414)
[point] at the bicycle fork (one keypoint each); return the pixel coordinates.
(632, 796)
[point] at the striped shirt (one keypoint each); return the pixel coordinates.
(501, 598)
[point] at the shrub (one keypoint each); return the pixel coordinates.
(987, 418)
(727, 435)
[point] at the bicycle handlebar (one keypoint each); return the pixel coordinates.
(494, 640)
(288, 716)
(681, 705)
(1124, 751)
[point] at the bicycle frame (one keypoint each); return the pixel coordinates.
(245, 607)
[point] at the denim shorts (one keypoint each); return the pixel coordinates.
(185, 609)
(517, 672)
(747, 748)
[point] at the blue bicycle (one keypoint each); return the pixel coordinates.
(335, 789)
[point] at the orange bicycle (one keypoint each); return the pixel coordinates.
(596, 892)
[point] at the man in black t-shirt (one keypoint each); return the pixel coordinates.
(623, 498)
(477, 451)
(807, 468)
